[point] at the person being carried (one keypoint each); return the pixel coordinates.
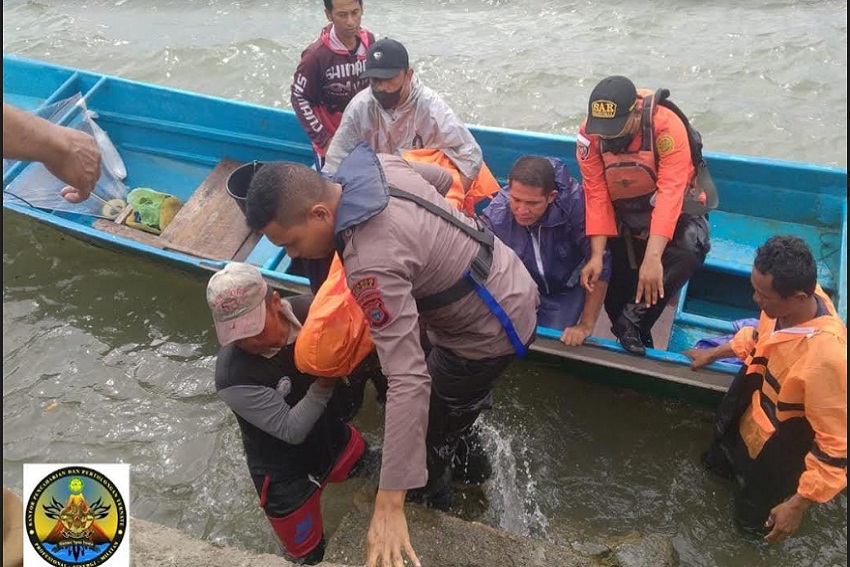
(294, 446)
(781, 428)
(328, 75)
(399, 114)
(642, 201)
(69, 154)
(408, 255)
(540, 215)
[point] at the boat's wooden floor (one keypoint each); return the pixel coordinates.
(210, 224)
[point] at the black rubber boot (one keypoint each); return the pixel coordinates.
(471, 465)
(629, 336)
(313, 558)
(437, 494)
(646, 338)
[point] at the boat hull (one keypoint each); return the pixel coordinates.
(175, 140)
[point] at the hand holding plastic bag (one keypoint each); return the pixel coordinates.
(111, 159)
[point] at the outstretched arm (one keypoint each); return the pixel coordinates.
(267, 409)
(704, 356)
(69, 154)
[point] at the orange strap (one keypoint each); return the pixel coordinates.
(484, 186)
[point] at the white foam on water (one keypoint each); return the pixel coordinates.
(512, 490)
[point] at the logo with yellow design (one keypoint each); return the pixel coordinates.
(76, 516)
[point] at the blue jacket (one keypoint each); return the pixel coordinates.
(560, 235)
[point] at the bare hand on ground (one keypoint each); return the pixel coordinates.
(388, 540)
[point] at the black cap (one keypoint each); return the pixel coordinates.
(385, 59)
(611, 102)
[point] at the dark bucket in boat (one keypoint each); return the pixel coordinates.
(239, 180)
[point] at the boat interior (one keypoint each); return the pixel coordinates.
(171, 143)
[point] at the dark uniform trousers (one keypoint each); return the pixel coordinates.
(683, 256)
(460, 390)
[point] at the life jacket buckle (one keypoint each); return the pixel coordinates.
(479, 269)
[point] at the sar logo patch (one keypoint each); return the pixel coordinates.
(603, 109)
(665, 144)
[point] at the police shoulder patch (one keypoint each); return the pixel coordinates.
(665, 144)
(375, 311)
(368, 296)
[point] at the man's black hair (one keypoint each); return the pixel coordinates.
(283, 191)
(791, 263)
(534, 171)
(329, 5)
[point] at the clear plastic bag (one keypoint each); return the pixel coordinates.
(37, 187)
(110, 158)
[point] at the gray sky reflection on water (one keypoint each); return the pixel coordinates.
(126, 348)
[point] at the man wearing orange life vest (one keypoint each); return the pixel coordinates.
(638, 173)
(781, 429)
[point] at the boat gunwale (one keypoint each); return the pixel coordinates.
(549, 344)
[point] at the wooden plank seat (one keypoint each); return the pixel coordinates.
(209, 225)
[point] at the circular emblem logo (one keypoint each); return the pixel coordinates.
(665, 144)
(76, 516)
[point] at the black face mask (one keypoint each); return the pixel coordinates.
(617, 145)
(387, 99)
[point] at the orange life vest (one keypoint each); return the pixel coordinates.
(484, 186)
(632, 176)
(803, 374)
(335, 337)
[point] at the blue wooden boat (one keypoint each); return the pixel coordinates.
(186, 144)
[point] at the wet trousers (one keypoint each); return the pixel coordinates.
(460, 389)
(292, 506)
(684, 254)
(774, 474)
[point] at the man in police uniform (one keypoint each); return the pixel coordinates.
(408, 257)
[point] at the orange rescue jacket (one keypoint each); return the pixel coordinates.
(804, 371)
(484, 186)
(647, 183)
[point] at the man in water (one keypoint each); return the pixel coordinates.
(294, 434)
(408, 257)
(781, 429)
